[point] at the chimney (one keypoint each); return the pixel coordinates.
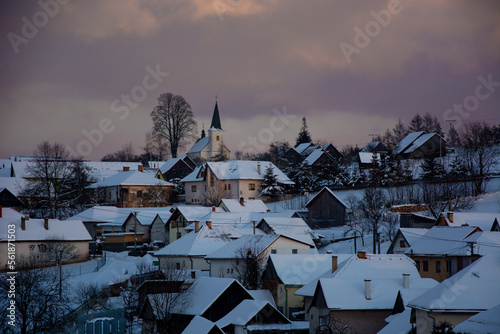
(140, 168)
(362, 255)
(27, 216)
(126, 168)
(213, 208)
(46, 223)
(193, 274)
(441, 221)
(334, 263)
(450, 216)
(406, 281)
(258, 167)
(242, 201)
(23, 223)
(196, 226)
(209, 224)
(368, 292)
(268, 210)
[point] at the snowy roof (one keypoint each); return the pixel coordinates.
(412, 234)
(130, 178)
(256, 243)
(114, 215)
(484, 242)
(310, 266)
(194, 212)
(200, 325)
(11, 213)
(14, 184)
(399, 324)
(331, 193)
(194, 175)
(366, 157)
(484, 220)
(263, 295)
(201, 243)
(295, 228)
(483, 322)
(370, 147)
(407, 141)
(246, 311)
(349, 294)
(203, 293)
(443, 240)
(254, 205)
(474, 288)
(99, 170)
(199, 145)
(302, 147)
(374, 267)
(245, 170)
(420, 141)
(171, 163)
(315, 155)
(68, 230)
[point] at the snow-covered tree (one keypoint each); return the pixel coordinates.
(270, 185)
(432, 169)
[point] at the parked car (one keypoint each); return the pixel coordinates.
(139, 251)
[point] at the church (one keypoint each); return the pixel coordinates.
(211, 147)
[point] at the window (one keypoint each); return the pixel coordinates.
(438, 266)
(193, 189)
(426, 265)
(227, 186)
(294, 251)
(417, 264)
(273, 251)
(228, 270)
(178, 265)
(402, 244)
(217, 138)
(139, 194)
(42, 248)
(448, 266)
(251, 186)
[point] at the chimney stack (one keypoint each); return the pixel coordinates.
(362, 255)
(23, 223)
(213, 208)
(258, 167)
(368, 291)
(140, 168)
(209, 224)
(334, 263)
(126, 168)
(196, 226)
(242, 201)
(441, 221)
(406, 281)
(46, 223)
(450, 216)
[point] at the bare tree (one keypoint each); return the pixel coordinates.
(441, 196)
(93, 296)
(156, 147)
(124, 154)
(374, 206)
(214, 194)
(38, 304)
(60, 252)
(157, 195)
(478, 153)
(249, 266)
(173, 120)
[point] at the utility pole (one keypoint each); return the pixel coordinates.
(135, 229)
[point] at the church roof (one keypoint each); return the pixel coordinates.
(216, 119)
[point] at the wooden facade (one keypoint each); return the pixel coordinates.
(326, 210)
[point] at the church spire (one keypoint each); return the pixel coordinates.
(216, 119)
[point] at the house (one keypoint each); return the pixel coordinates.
(365, 159)
(250, 314)
(318, 159)
(175, 168)
(483, 322)
(200, 325)
(9, 200)
(405, 237)
(210, 148)
(242, 205)
(182, 216)
(375, 147)
(420, 145)
(286, 273)
(361, 293)
(37, 237)
(472, 290)
(485, 220)
(443, 251)
(189, 251)
(226, 261)
(233, 179)
(416, 220)
(295, 228)
(333, 151)
(326, 210)
(134, 189)
(210, 298)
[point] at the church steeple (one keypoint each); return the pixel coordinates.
(216, 119)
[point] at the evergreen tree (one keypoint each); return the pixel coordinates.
(400, 131)
(453, 138)
(416, 124)
(375, 174)
(432, 125)
(457, 169)
(304, 136)
(432, 169)
(305, 180)
(270, 185)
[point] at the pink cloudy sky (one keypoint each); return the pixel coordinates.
(74, 72)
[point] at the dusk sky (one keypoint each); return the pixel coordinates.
(74, 70)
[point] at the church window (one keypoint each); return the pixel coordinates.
(217, 138)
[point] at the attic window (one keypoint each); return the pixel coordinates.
(402, 244)
(42, 248)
